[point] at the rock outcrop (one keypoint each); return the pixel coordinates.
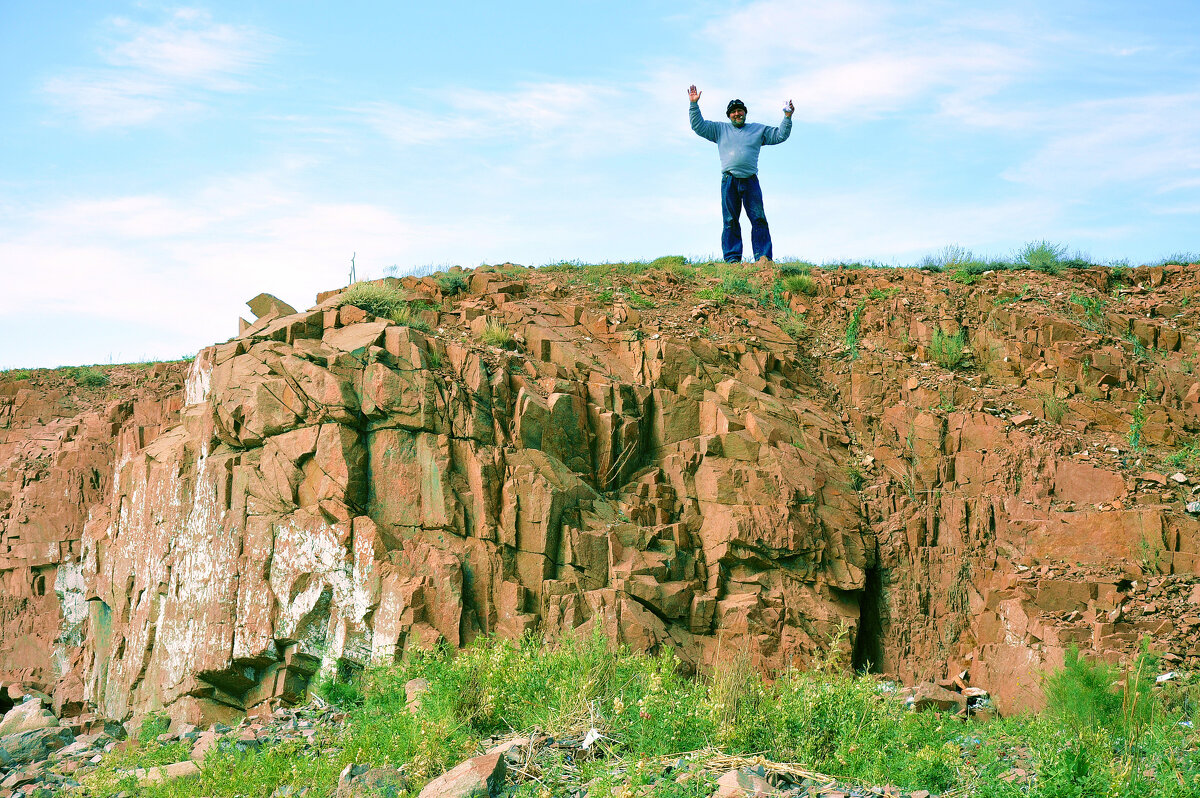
(330, 489)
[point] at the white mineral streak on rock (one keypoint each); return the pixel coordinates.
(199, 378)
(71, 589)
(315, 554)
(202, 584)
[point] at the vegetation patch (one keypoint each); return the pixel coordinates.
(854, 330)
(497, 334)
(948, 351)
(800, 284)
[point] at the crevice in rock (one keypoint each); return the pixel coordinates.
(868, 643)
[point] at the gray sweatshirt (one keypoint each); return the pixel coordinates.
(738, 147)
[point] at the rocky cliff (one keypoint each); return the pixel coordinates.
(949, 480)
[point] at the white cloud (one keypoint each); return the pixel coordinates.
(156, 70)
(858, 59)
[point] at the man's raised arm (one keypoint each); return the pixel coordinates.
(704, 129)
(778, 135)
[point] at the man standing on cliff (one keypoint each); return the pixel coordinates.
(738, 144)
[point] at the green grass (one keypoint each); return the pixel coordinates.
(1180, 259)
(1053, 408)
(793, 324)
(451, 283)
(854, 330)
(800, 284)
(788, 268)
(1094, 738)
(16, 374)
(384, 303)
(1134, 436)
(948, 351)
(1188, 455)
(1042, 256)
(1093, 312)
(638, 301)
(87, 376)
(496, 334)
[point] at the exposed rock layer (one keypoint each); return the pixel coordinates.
(329, 488)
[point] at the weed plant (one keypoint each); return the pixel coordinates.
(1093, 312)
(1188, 455)
(1134, 436)
(1042, 256)
(1053, 408)
(854, 330)
(496, 334)
(86, 376)
(1103, 732)
(800, 284)
(948, 351)
(383, 302)
(451, 283)
(638, 301)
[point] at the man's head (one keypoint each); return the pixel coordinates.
(736, 111)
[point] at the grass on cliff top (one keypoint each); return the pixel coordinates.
(383, 302)
(1094, 739)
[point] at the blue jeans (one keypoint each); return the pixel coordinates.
(736, 192)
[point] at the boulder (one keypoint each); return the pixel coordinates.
(475, 778)
(744, 783)
(32, 746)
(27, 716)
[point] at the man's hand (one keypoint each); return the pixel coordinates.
(788, 108)
(693, 95)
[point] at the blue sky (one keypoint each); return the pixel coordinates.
(160, 164)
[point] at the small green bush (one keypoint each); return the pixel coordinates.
(1093, 312)
(496, 334)
(1042, 256)
(1053, 408)
(854, 330)
(375, 298)
(1188, 455)
(668, 262)
(794, 325)
(800, 284)
(1134, 436)
(948, 350)
(451, 283)
(87, 376)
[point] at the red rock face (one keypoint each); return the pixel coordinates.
(330, 489)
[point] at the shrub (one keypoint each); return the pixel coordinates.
(800, 284)
(668, 262)
(794, 325)
(451, 283)
(1042, 256)
(1187, 456)
(496, 334)
(1093, 312)
(854, 329)
(1053, 408)
(1134, 435)
(384, 303)
(87, 376)
(375, 298)
(947, 350)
